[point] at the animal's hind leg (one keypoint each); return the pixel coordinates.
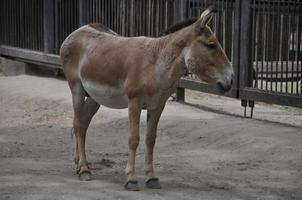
(84, 110)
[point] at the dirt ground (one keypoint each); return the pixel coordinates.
(262, 111)
(199, 154)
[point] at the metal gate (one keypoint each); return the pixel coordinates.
(271, 66)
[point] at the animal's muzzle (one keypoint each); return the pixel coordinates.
(225, 83)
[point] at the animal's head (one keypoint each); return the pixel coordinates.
(205, 57)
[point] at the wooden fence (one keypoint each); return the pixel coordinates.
(263, 38)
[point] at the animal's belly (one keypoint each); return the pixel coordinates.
(106, 95)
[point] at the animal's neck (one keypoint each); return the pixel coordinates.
(171, 59)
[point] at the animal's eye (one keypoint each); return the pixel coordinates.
(211, 46)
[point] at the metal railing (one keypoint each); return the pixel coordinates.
(273, 72)
(21, 24)
(263, 38)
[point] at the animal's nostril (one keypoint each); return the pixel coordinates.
(224, 86)
(220, 85)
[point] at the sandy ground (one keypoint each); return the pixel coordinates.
(199, 154)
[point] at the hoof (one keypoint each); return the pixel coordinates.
(85, 176)
(153, 183)
(132, 186)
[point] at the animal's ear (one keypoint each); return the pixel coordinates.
(205, 17)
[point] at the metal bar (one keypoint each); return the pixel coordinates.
(182, 8)
(297, 53)
(287, 52)
(271, 52)
(117, 21)
(279, 31)
(48, 8)
(32, 21)
(102, 11)
(266, 49)
(257, 42)
(22, 24)
(292, 32)
(254, 72)
(132, 25)
(166, 14)
(281, 48)
(57, 25)
(157, 18)
(299, 60)
(111, 14)
(41, 25)
(262, 45)
(139, 18)
(83, 12)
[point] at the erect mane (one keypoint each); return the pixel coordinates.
(178, 26)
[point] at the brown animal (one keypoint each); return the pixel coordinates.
(103, 68)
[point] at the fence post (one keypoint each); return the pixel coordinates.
(179, 15)
(245, 58)
(49, 28)
(236, 47)
(83, 17)
(180, 94)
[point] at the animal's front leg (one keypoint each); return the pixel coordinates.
(152, 122)
(134, 109)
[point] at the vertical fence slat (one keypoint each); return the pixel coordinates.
(83, 12)
(48, 10)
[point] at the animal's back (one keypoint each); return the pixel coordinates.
(74, 44)
(74, 48)
(81, 54)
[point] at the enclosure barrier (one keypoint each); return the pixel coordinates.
(263, 38)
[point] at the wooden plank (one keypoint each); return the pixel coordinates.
(271, 97)
(203, 87)
(30, 55)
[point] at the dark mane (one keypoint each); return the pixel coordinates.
(178, 26)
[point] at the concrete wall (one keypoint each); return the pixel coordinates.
(11, 67)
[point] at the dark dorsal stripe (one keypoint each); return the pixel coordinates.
(171, 29)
